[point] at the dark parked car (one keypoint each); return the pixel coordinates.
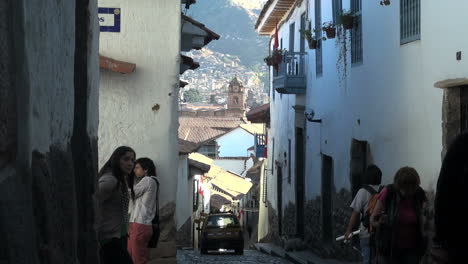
(222, 231)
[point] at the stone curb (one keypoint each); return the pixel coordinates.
(297, 257)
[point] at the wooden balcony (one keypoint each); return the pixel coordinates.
(291, 75)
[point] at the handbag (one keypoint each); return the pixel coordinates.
(153, 242)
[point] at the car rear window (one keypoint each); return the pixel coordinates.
(221, 221)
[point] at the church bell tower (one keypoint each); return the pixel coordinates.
(236, 100)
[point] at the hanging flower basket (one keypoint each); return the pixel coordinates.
(347, 20)
(268, 60)
(330, 30)
(385, 2)
(275, 58)
(313, 43)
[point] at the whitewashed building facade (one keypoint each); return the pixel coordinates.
(139, 108)
(391, 91)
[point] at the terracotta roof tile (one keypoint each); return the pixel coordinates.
(201, 129)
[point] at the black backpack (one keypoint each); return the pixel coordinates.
(153, 242)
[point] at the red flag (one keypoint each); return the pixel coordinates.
(276, 43)
(200, 187)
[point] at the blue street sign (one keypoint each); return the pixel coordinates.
(109, 19)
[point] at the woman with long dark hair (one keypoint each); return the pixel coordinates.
(115, 179)
(143, 210)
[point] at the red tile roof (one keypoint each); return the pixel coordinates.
(201, 129)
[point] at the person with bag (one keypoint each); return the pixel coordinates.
(112, 195)
(364, 201)
(451, 229)
(143, 210)
(398, 217)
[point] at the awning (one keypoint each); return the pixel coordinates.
(182, 84)
(187, 63)
(116, 65)
(195, 35)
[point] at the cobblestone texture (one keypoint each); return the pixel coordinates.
(249, 257)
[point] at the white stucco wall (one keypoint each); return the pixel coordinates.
(149, 37)
(391, 93)
(184, 192)
(282, 126)
(235, 143)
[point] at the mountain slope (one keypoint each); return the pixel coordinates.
(234, 20)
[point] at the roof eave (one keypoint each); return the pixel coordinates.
(272, 14)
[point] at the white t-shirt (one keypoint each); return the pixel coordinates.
(359, 204)
(143, 209)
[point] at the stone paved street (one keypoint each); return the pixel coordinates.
(249, 257)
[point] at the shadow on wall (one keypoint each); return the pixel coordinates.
(272, 236)
(314, 229)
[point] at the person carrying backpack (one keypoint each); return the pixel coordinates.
(398, 217)
(143, 211)
(363, 202)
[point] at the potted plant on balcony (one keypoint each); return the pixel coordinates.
(275, 57)
(311, 40)
(347, 20)
(330, 29)
(385, 2)
(268, 60)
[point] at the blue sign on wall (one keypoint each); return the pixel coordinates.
(109, 19)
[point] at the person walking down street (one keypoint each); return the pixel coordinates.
(451, 229)
(113, 198)
(398, 217)
(143, 210)
(372, 179)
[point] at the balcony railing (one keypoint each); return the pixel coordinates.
(291, 75)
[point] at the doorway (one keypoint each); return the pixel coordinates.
(327, 188)
(358, 164)
(454, 114)
(300, 162)
(279, 190)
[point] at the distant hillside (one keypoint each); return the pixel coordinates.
(234, 20)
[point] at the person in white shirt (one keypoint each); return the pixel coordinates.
(372, 179)
(142, 210)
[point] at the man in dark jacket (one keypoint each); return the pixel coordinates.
(451, 203)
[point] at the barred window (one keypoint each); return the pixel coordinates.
(337, 6)
(318, 29)
(410, 20)
(356, 32)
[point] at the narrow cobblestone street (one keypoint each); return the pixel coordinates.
(250, 256)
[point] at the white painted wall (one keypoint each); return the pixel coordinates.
(392, 94)
(235, 143)
(184, 192)
(149, 37)
(282, 126)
